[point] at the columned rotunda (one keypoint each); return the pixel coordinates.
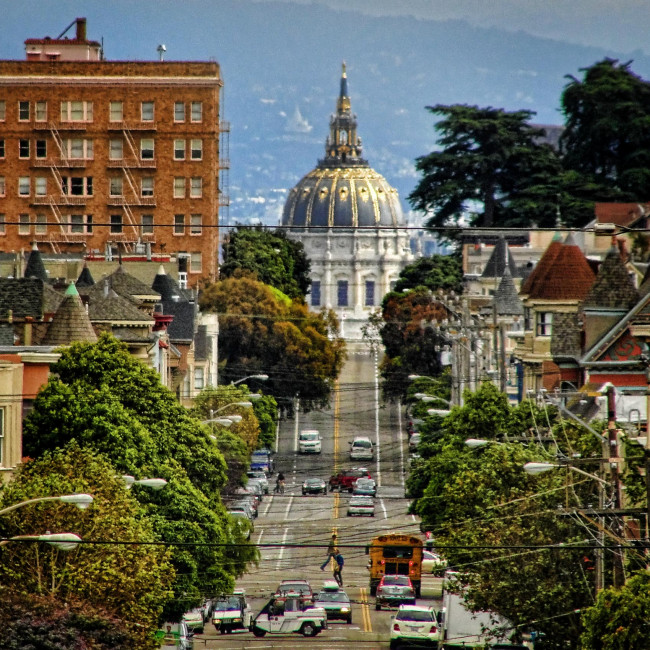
(351, 224)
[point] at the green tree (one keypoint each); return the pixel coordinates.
(435, 272)
(607, 134)
(271, 256)
(619, 618)
(105, 400)
(130, 583)
(489, 165)
(263, 331)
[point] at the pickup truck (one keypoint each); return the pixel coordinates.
(231, 613)
(289, 615)
(345, 479)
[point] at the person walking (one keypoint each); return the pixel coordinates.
(279, 483)
(332, 550)
(338, 567)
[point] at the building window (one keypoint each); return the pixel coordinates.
(40, 186)
(77, 185)
(82, 223)
(146, 111)
(179, 188)
(23, 186)
(116, 224)
(195, 224)
(76, 111)
(196, 147)
(3, 188)
(315, 293)
(146, 149)
(179, 224)
(147, 224)
(179, 112)
(23, 111)
(24, 227)
(3, 225)
(116, 111)
(40, 111)
(196, 187)
(116, 186)
(82, 148)
(544, 323)
(41, 148)
(195, 262)
(197, 111)
(198, 378)
(116, 149)
(342, 293)
(146, 186)
(41, 224)
(370, 293)
(23, 148)
(2, 148)
(179, 149)
(3, 110)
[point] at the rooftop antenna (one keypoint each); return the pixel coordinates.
(161, 49)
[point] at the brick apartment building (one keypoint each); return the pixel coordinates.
(110, 158)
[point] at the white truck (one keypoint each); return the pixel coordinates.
(289, 614)
(231, 612)
(309, 442)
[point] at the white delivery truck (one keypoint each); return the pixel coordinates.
(309, 442)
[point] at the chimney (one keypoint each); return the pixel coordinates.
(81, 29)
(27, 338)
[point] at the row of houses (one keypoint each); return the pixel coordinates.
(158, 321)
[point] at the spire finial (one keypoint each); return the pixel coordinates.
(343, 73)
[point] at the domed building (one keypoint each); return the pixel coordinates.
(351, 224)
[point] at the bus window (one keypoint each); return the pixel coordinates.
(394, 552)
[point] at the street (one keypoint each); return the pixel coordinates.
(299, 520)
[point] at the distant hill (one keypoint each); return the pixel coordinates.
(281, 67)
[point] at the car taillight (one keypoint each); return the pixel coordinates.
(396, 627)
(433, 629)
(382, 562)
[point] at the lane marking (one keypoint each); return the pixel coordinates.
(286, 512)
(337, 422)
(335, 507)
(377, 447)
(365, 610)
(383, 507)
(277, 435)
(400, 442)
(268, 506)
(278, 564)
(259, 537)
(296, 425)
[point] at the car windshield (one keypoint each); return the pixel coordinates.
(361, 501)
(313, 481)
(228, 604)
(300, 587)
(362, 443)
(396, 580)
(309, 436)
(414, 615)
(332, 597)
(365, 482)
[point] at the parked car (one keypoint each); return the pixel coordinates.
(242, 522)
(335, 602)
(365, 487)
(256, 486)
(194, 620)
(361, 449)
(413, 625)
(432, 563)
(175, 636)
(300, 588)
(414, 441)
(309, 442)
(231, 612)
(314, 486)
(289, 614)
(261, 461)
(240, 508)
(345, 479)
(261, 477)
(361, 506)
(394, 590)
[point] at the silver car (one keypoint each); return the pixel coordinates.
(360, 506)
(260, 476)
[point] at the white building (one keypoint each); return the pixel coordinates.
(351, 224)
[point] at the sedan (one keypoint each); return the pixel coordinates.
(261, 477)
(293, 587)
(335, 602)
(414, 441)
(415, 626)
(365, 487)
(432, 563)
(360, 506)
(314, 486)
(394, 590)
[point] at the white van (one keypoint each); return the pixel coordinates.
(361, 449)
(309, 442)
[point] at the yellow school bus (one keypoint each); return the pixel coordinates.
(395, 554)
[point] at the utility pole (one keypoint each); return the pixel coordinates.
(613, 455)
(502, 356)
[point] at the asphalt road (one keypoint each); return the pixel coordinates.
(293, 531)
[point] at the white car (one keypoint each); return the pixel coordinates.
(309, 442)
(231, 612)
(289, 614)
(361, 449)
(261, 478)
(361, 506)
(413, 625)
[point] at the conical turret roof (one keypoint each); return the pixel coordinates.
(70, 323)
(613, 288)
(35, 267)
(85, 278)
(506, 299)
(500, 260)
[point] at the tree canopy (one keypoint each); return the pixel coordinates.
(434, 273)
(263, 331)
(271, 256)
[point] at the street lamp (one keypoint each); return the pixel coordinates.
(82, 501)
(441, 412)
(221, 408)
(62, 541)
(153, 483)
(476, 443)
(539, 468)
(431, 398)
(260, 377)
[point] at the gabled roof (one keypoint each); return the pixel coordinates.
(500, 260)
(175, 303)
(613, 288)
(622, 214)
(70, 323)
(127, 285)
(35, 267)
(562, 273)
(27, 297)
(506, 298)
(113, 308)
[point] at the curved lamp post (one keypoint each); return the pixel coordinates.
(152, 483)
(82, 501)
(431, 398)
(442, 412)
(260, 377)
(62, 541)
(539, 468)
